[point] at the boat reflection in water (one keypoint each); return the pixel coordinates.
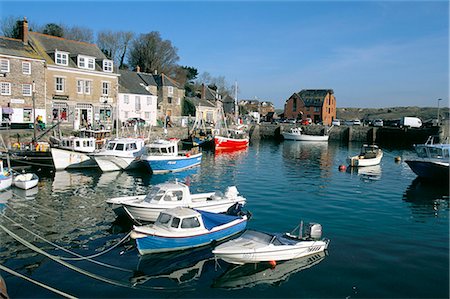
(250, 275)
(367, 173)
(168, 270)
(427, 199)
(5, 196)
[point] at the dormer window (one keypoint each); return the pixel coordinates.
(61, 58)
(107, 65)
(86, 62)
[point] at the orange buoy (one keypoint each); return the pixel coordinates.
(273, 264)
(342, 167)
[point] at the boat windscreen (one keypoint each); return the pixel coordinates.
(211, 220)
(155, 194)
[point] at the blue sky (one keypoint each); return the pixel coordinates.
(371, 53)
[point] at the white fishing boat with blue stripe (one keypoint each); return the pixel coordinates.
(184, 228)
(162, 156)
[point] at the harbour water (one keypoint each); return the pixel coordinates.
(389, 232)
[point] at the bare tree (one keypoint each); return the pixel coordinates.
(151, 53)
(9, 27)
(115, 45)
(77, 33)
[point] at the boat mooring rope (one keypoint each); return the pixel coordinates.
(79, 257)
(10, 271)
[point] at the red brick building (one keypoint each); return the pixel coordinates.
(317, 104)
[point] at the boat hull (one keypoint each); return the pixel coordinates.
(67, 159)
(303, 137)
(355, 161)
(225, 143)
(115, 163)
(164, 164)
(5, 182)
(430, 170)
(150, 214)
(269, 253)
(153, 243)
(26, 184)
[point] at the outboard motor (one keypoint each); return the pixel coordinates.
(314, 231)
(235, 210)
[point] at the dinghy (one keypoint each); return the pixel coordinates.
(370, 155)
(26, 181)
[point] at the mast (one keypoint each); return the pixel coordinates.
(236, 108)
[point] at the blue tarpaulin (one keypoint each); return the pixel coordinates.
(211, 220)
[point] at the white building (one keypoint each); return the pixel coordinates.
(135, 101)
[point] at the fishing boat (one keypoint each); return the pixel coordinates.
(432, 162)
(162, 156)
(254, 246)
(26, 181)
(370, 155)
(5, 177)
(170, 195)
(74, 152)
(297, 134)
(183, 228)
(233, 140)
(120, 154)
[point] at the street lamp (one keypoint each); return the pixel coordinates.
(438, 120)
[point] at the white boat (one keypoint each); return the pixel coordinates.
(170, 195)
(183, 228)
(432, 161)
(120, 154)
(162, 156)
(296, 134)
(73, 152)
(5, 177)
(370, 155)
(254, 246)
(26, 181)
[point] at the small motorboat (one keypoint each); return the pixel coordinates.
(184, 228)
(370, 155)
(296, 134)
(254, 246)
(162, 156)
(26, 181)
(432, 161)
(170, 195)
(120, 154)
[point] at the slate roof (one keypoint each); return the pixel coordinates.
(15, 47)
(130, 82)
(314, 97)
(46, 45)
(200, 102)
(148, 79)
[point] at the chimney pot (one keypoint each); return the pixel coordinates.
(155, 72)
(138, 69)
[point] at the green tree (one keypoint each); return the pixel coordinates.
(188, 108)
(53, 29)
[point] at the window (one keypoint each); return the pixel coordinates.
(175, 222)
(80, 86)
(26, 68)
(107, 65)
(316, 109)
(4, 65)
(169, 100)
(126, 99)
(147, 115)
(59, 84)
(190, 222)
(105, 114)
(5, 88)
(86, 62)
(26, 90)
(163, 218)
(295, 105)
(61, 58)
(59, 111)
(27, 114)
(126, 114)
(105, 88)
(149, 101)
(170, 90)
(138, 103)
(87, 87)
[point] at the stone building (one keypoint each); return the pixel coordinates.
(317, 104)
(22, 81)
(81, 84)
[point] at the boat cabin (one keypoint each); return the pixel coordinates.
(79, 144)
(129, 145)
(436, 151)
(369, 151)
(167, 193)
(180, 219)
(163, 148)
(100, 136)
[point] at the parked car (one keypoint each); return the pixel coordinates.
(356, 122)
(377, 123)
(336, 122)
(412, 122)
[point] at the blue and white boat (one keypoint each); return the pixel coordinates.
(162, 156)
(432, 162)
(5, 177)
(184, 228)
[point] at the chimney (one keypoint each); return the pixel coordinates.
(155, 72)
(23, 30)
(138, 69)
(203, 91)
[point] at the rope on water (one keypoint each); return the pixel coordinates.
(22, 216)
(10, 271)
(79, 257)
(79, 270)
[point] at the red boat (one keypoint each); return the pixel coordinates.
(230, 143)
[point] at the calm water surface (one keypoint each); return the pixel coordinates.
(389, 232)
